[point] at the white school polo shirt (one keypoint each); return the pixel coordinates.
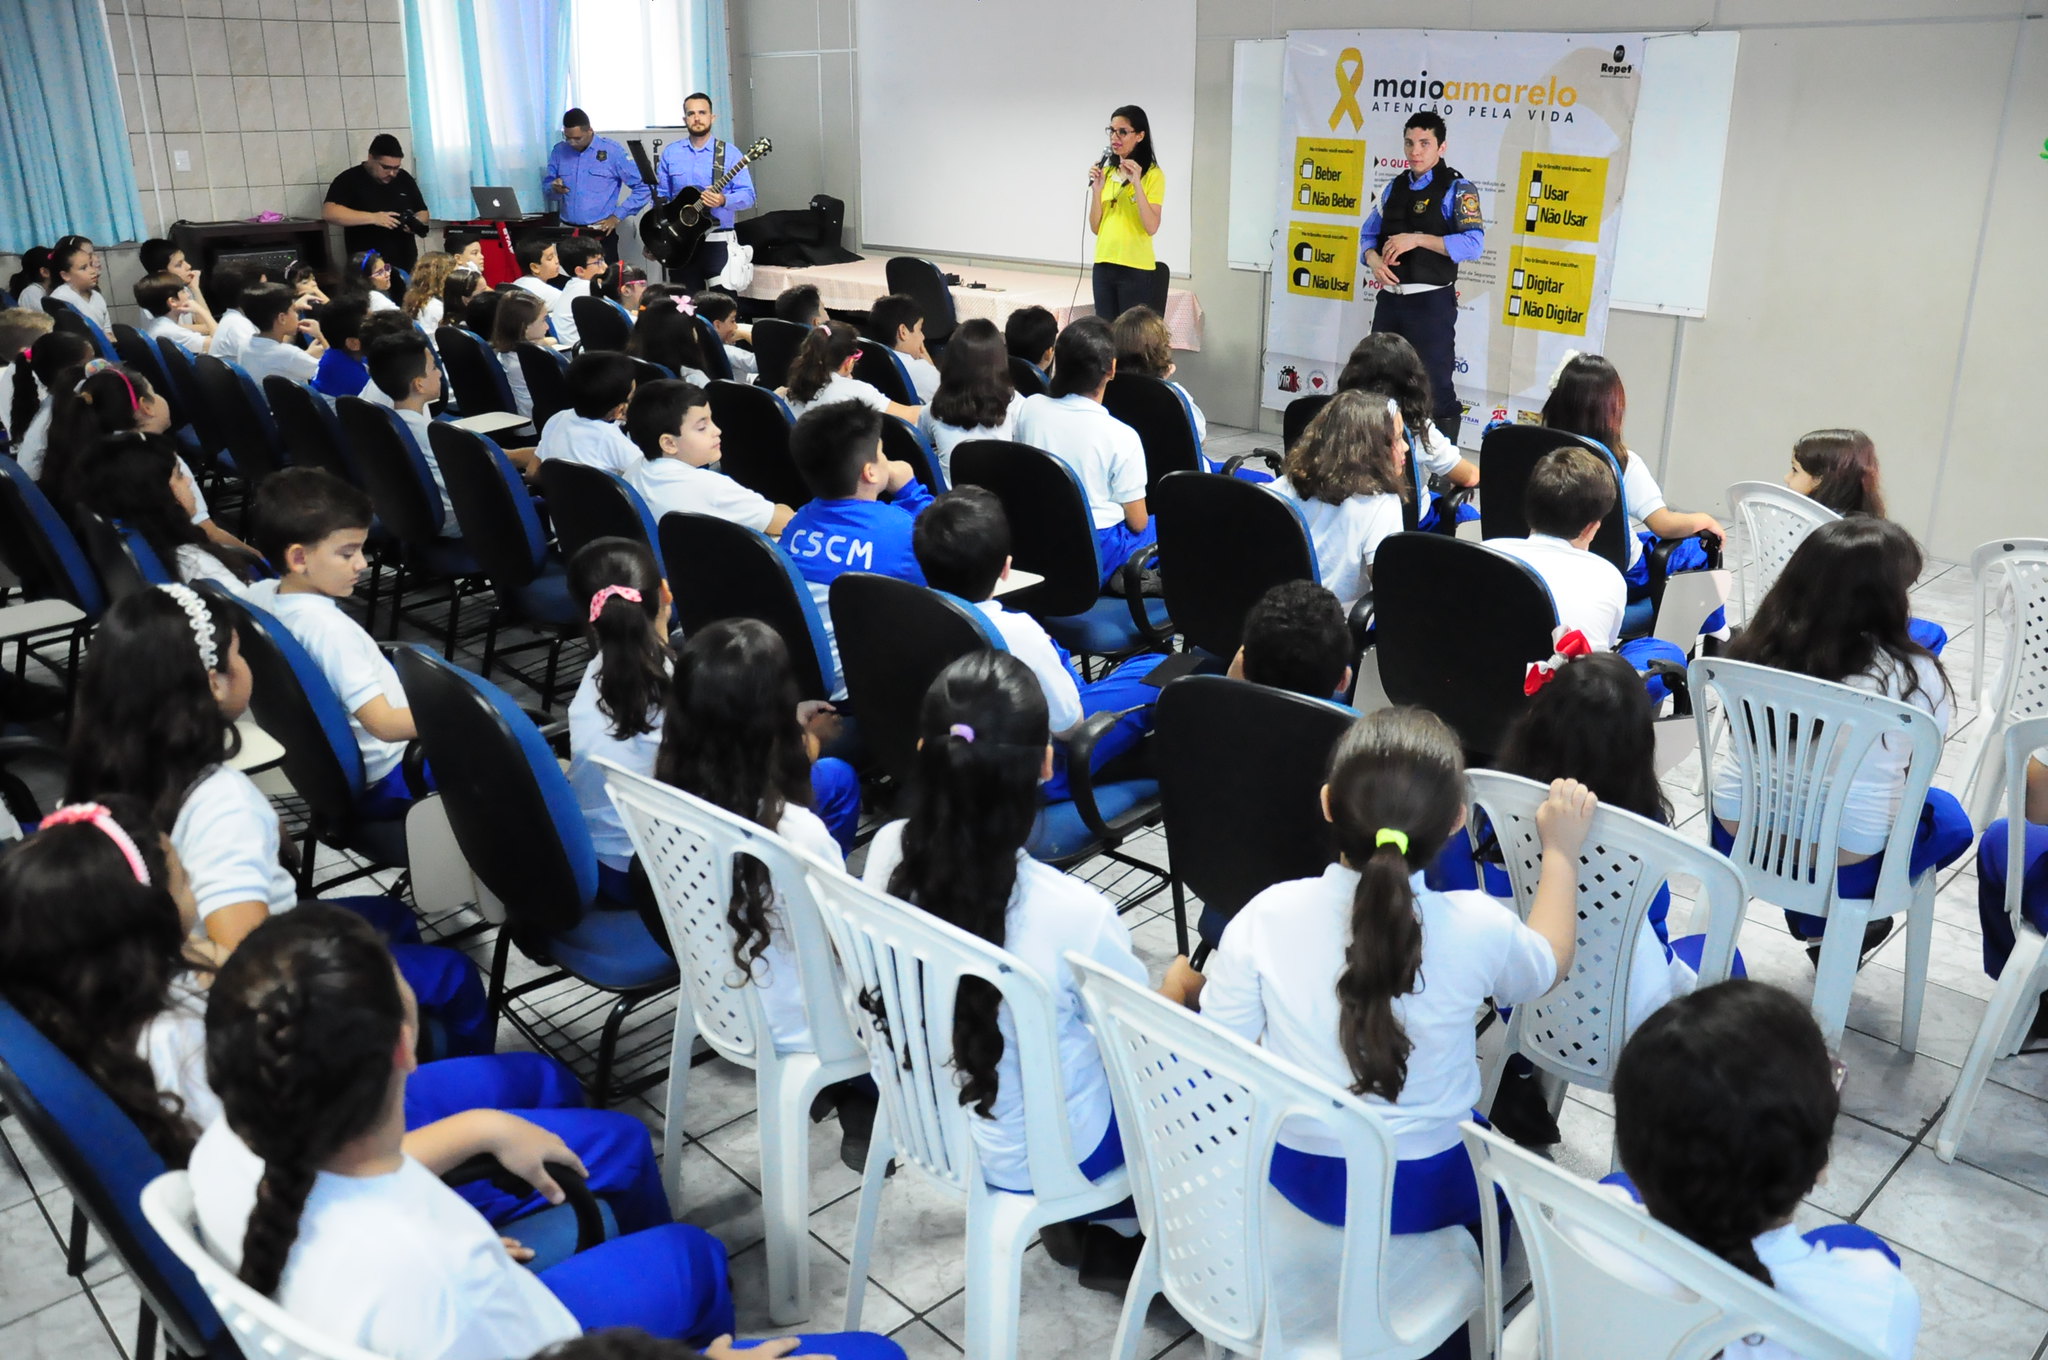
(227, 837)
(1049, 914)
(94, 306)
(356, 670)
(591, 737)
(1104, 453)
(1589, 593)
(945, 438)
(839, 387)
(195, 564)
(671, 484)
(173, 1043)
(1273, 979)
(1436, 454)
(34, 444)
(595, 443)
(263, 356)
(398, 1265)
(1346, 537)
(418, 424)
(1644, 497)
(165, 331)
(515, 376)
(381, 302)
(231, 335)
(1873, 803)
(1030, 644)
(924, 376)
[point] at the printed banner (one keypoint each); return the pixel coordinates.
(1538, 122)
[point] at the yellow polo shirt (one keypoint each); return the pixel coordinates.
(1122, 238)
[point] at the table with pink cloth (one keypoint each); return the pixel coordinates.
(853, 287)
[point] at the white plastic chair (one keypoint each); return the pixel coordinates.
(258, 1325)
(909, 964)
(1795, 783)
(2025, 977)
(687, 847)
(1200, 1109)
(1576, 1032)
(1777, 520)
(2014, 572)
(1585, 1309)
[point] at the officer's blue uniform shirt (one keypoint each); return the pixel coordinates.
(594, 177)
(1462, 199)
(683, 164)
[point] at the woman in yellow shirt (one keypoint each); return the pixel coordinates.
(1123, 212)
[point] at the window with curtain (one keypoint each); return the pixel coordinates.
(633, 61)
(66, 167)
(489, 83)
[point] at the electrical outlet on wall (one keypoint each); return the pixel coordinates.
(181, 160)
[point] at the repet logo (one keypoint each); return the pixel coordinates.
(1620, 66)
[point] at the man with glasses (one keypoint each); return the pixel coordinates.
(698, 160)
(584, 176)
(378, 205)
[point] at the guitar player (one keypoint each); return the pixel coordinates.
(699, 160)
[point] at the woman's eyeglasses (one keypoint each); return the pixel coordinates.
(1114, 132)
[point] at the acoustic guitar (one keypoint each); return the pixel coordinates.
(672, 229)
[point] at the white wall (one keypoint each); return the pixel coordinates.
(1864, 161)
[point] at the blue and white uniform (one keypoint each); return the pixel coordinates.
(827, 537)
(595, 177)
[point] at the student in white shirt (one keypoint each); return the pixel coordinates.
(1839, 611)
(31, 283)
(1348, 476)
(521, 318)
(897, 321)
(272, 349)
(724, 315)
(19, 329)
(540, 259)
(169, 315)
(1724, 1115)
(1144, 346)
(43, 375)
(669, 421)
(77, 271)
(308, 1189)
(667, 335)
(369, 273)
(1370, 980)
(600, 387)
(232, 334)
(141, 485)
(1386, 362)
(975, 397)
(1072, 425)
(984, 748)
(822, 372)
(422, 304)
(582, 259)
(403, 369)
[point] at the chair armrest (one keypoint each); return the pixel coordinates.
(1361, 621)
(1272, 458)
(553, 731)
(1449, 503)
(1080, 742)
(1132, 573)
(1675, 681)
(576, 1191)
(413, 764)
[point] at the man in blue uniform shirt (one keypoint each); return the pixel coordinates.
(1424, 226)
(698, 160)
(585, 174)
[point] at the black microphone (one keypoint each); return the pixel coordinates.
(1109, 160)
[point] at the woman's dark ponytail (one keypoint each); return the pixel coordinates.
(819, 357)
(301, 1026)
(1397, 787)
(632, 679)
(37, 375)
(974, 799)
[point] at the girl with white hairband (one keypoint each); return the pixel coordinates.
(98, 951)
(1349, 475)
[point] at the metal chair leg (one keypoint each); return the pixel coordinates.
(145, 1335)
(607, 1046)
(74, 1249)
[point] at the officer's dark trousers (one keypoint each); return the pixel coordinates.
(1428, 321)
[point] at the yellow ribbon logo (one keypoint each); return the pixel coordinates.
(1350, 74)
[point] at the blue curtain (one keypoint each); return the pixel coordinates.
(66, 168)
(713, 59)
(488, 83)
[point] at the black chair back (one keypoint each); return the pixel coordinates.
(108, 551)
(547, 378)
(473, 371)
(248, 433)
(1509, 453)
(1242, 815)
(1028, 378)
(923, 282)
(1457, 626)
(1160, 416)
(901, 440)
(775, 345)
(586, 503)
(310, 430)
(1223, 543)
(599, 325)
(754, 424)
(1299, 413)
(138, 352)
(177, 366)
(878, 366)
(406, 501)
(894, 639)
(722, 570)
(504, 537)
(717, 364)
(1051, 530)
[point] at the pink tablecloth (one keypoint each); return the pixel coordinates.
(853, 287)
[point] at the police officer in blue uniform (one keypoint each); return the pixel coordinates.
(699, 159)
(1424, 226)
(585, 175)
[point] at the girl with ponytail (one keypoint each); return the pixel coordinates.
(312, 1191)
(142, 485)
(822, 372)
(1724, 1109)
(1370, 980)
(45, 370)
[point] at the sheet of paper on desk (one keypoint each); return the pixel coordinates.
(1017, 580)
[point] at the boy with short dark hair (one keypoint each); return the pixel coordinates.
(837, 448)
(1296, 638)
(272, 349)
(582, 259)
(343, 370)
(170, 315)
(1072, 424)
(311, 525)
(1029, 334)
(898, 322)
(600, 384)
(723, 312)
(962, 544)
(670, 422)
(542, 262)
(800, 304)
(232, 333)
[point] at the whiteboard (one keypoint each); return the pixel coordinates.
(1670, 209)
(978, 122)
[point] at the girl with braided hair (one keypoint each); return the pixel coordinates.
(311, 1190)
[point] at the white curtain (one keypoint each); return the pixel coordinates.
(632, 62)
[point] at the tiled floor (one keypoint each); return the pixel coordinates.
(1974, 1236)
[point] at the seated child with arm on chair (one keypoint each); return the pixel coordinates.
(670, 422)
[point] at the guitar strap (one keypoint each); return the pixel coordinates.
(717, 161)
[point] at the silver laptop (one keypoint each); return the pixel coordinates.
(495, 202)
